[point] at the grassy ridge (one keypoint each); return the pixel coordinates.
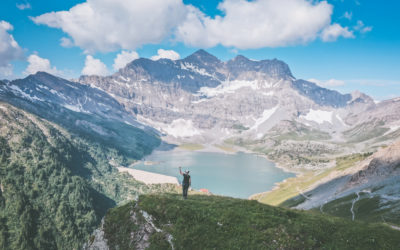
(213, 222)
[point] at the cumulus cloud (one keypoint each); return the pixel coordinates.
(109, 25)
(94, 66)
(328, 83)
(362, 28)
(348, 15)
(6, 71)
(23, 6)
(9, 48)
(124, 58)
(37, 63)
(66, 42)
(168, 54)
(334, 31)
(256, 24)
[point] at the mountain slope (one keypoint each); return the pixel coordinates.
(55, 187)
(212, 222)
(368, 190)
(201, 99)
(87, 112)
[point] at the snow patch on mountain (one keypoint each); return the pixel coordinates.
(228, 87)
(181, 128)
(199, 101)
(271, 93)
(193, 68)
(54, 92)
(392, 129)
(340, 119)
(318, 116)
(19, 92)
(265, 116)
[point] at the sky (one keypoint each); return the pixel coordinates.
(345, 45)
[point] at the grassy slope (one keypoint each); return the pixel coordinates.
(370, 208)
(54, 187)
(293, 186)
(213, 222)
(191, 146)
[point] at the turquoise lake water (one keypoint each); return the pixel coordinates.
(237, 175)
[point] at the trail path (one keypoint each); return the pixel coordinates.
(352, 206)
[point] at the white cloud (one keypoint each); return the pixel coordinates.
(66, 42)
(109, 25)
(362, 28)
(257, 24)
(37, 63)
(9, 48)
(334, 31)
(168, 54)
(6, 71)
(348, 15)
(328, 83)
(94, 66)
(124, 58)
(23, 6)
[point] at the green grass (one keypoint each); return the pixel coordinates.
(226, 148)
(292, 187)
(367, 208)
(55, 186)
(213, 222)
(191, 146)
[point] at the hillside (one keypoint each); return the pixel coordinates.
(54, 186)
(359, 187)
(369, 190)
(212, 222)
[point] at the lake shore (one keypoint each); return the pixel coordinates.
(215, 149)
(230, 150)
(148, 177)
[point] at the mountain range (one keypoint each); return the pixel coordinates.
(201, 99)
(329, 138)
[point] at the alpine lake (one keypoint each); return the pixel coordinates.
(237, 175)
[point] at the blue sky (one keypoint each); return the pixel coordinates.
(341, 44)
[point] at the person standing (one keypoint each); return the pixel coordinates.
(185, 183)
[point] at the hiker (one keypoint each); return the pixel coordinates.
(185, 183)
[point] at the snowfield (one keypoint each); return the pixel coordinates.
(265, 116)
(227, 87)
(181, 128)
(318, 116)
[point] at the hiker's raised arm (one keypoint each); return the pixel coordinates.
(180, 171)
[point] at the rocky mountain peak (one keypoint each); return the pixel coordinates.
(274, 69)
(43, 76)
(241, 58)
(202, 57)
(359, 97)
